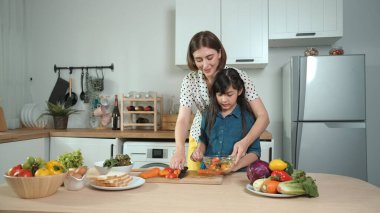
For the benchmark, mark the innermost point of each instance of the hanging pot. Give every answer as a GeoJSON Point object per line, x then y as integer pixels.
{"type": "Point", "coordinates": [59, 90]}
{"type": "Point", "coordinates": [71, 98]}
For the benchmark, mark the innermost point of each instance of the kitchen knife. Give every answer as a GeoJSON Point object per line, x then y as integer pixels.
{"type": "Point", "coordinates": [183, 173]}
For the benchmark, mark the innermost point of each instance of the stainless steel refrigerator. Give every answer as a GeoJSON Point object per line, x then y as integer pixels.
{"type": "Point", "coordinates": [324, 114]}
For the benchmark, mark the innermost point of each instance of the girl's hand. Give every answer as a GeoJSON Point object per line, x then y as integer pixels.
{"type": "Point", "coordinates": [197, 155]}
{"type": "Point", "coordinates": [178, 160]}
{"type": "Point", "coordinates": [240, 149]}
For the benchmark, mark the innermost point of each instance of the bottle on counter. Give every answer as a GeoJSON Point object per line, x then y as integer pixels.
{"type": "Point", "coordinates": [116, 115]}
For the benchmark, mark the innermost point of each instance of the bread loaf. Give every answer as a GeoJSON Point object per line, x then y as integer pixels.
{"type": "Point", "coordinates": [112, 180]}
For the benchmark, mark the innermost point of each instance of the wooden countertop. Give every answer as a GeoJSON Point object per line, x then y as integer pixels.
{"type": "Point", "coordinates": [337, 194]}
{"type": "Point", "coordinates": [25, 134]}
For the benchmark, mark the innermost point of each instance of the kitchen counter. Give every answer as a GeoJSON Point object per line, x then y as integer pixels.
{"type": "Point", "coordinates": [25, 134]}
{"type": "Point", "coordinates": [337, 194]}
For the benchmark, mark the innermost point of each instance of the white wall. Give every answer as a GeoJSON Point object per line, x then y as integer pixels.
{"type": "Point", "coordinates": [138, 37]}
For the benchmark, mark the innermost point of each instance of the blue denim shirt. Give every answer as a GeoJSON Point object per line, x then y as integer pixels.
{"type": "Point", "coordinates": [226, 132]}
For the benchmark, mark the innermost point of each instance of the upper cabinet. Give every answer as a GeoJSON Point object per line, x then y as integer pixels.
{"type": "Point", "coordinates": [305, 22]}
{"type": "Point", "coordinates": [242, 26]}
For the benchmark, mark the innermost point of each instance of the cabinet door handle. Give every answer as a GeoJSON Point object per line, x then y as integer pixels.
{"type": "Point", "coordinates": [305, 34]}
{"type": "Point", "coordinates": [245, 60]}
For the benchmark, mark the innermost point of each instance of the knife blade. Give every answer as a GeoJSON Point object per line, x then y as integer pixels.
{"type": "Point", "coordinates": [183, 173]}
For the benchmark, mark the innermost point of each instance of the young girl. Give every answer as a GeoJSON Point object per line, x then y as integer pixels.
{"type": "Point", "coordinates": [227, 121]}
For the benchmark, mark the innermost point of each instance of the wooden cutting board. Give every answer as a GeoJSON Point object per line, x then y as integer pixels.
{"type": "Point", "coordinates": [192, 177]}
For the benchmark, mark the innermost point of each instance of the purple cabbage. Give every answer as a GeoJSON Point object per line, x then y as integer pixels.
{"type": "Point", "coordinates": [257, 170]}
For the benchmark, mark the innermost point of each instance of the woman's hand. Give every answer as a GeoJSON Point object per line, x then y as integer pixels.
{"type": "Point", "coordinates": [178, 160]}
{"type": "Point", "coordinates": [240, 149]}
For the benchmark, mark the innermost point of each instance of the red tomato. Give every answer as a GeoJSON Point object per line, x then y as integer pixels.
{"type": "Point", "coordinates": [171, 176]}
{"type": "Point", "coordinates": [215, 161]}
{"type": "Point", "coordinates": [170, 170]}
{"type": "Point", "coordinates": [177, 172]}
{"type": "Point", "coordinates": [14, 169]}
{"type": "Point", "coordinates": [23, 173]}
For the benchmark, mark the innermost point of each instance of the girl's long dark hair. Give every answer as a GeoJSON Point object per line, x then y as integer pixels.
{"type": "Point", "coordinates": [223, 80]}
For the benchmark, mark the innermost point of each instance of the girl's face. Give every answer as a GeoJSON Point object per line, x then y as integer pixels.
{"type": "Point", "coordinates": [227, 101]}
{"type": "Point", "coordinates": [207, 60]}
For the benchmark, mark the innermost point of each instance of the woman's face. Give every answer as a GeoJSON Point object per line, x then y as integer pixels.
{"type": "Point", "coordinates": [207, 60]}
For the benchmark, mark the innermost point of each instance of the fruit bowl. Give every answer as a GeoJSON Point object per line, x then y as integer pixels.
{"type": "Point", "coordinates": [35, 187]}
{"type": "Point", "coordinates": [219, 163]}
{"type": "Point", "coordinates": [104, 170]}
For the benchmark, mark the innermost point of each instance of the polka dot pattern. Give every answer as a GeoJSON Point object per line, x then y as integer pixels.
{"type": "Point", "coordinates": [194, 91]}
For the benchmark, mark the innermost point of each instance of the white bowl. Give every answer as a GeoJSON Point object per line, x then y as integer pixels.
{"type": "Point", "coordinates": [104, 170]}
{"type": "Point", "coordinates": [73, 184]}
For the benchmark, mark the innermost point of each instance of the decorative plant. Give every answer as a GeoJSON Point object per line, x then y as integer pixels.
{"type": "Point", "coordinates": [59, 110]}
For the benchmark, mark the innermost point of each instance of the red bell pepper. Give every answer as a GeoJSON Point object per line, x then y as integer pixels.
{"type": "Point", "coordinates": [281, 176]}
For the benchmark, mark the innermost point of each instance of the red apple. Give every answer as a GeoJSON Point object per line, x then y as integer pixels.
{"type": "Point", "coordinates": [23, 173]}
{"type": "Point", "coordinates": [13, 170]}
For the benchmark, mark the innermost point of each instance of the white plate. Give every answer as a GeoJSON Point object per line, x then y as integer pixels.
{"type": "Point", "coordinates": [23, 114]}
{"type": "Point", "coordinates": [29, 115]}
{"type": "Point", "coordinates": [36, 113]}
{"type": "Point", "coordinates": [136, 182]}
{"type": "Point", "coordinates": [250, 188]}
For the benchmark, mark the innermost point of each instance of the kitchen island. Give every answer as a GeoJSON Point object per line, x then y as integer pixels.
{"type": "Point", "coordinates": [336, 194]}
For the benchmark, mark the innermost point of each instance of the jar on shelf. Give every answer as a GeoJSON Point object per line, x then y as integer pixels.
{"type": "Point", "coordinates": [311, 51]}
{"type": "Point", "coordinates": [336, 51]}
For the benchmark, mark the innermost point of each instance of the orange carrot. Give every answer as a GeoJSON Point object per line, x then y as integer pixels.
{"type": "Point", "coordinates": [270, 186]}
{"type": "Point", "coordinates": [153, 172]}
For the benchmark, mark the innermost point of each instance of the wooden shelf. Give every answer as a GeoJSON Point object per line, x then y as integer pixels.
{"type": "Point", "coordinates": [138, 112]}
{"type": "Point", "coordinates": [129, 118]}
{"type": "Point", "coordinates": [139, 124]}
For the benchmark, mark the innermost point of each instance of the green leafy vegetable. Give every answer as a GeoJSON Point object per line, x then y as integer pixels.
{"type": "Point", "coordinates": [301, 186]}
{"type": "Point", "coordinates": [297, 173]}
{"type": "Point", "coordinates": [71, 159]}
{"type": "Point", "coordinates": [119, 160]}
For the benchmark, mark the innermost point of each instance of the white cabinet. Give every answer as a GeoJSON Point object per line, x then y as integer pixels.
{"type": "Point", "coordinates": [242, 26]}
{"type": "Point", "coordinates": [192, 17]}
{"type": "Point", "coordinates": [244, 31]}
{"type": "Point", "coordinates": [93, 149]}
{"type": "Point", "coordinates": [13, 153]}
{"type": "Point", "coordinates": [305, 22]}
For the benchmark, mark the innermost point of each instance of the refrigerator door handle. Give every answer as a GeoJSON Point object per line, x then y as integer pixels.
{"type": "Point", "coordinates": [341, 125]}
{"type": "Point", "coordinates": [297, 144]}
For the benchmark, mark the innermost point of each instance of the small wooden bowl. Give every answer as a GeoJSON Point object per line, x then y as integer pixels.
{"type": "Point", "coordinates": [35, 187]}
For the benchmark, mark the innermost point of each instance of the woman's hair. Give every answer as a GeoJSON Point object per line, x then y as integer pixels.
{"type": "Point", "coordinates": [223, 80]}
{"type": "Point", "coordinates": [209, 40]}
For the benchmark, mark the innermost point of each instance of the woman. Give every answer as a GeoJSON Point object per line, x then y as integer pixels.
{"type": "Point", "coordinates": [205, 57]}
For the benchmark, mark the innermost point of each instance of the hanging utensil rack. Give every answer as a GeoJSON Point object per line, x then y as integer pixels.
{"type": "Point", "coordinates": [71, 69]}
